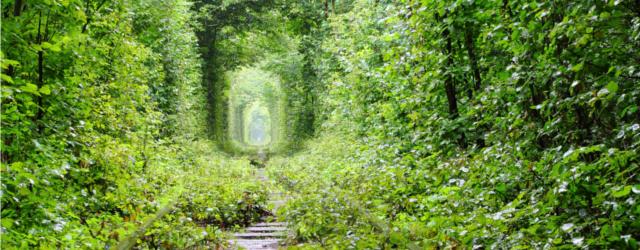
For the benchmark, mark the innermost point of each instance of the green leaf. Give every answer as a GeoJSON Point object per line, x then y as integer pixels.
{"type": "Point", "coordinates": [630, 110]}
{"type": "Point", "coordinates": [578, 67]}
{"type": "Point", "coordinates": [6, 78]}
{"type": "Point", "coordinates": [501, 188]}
{"type": "Point", "coordinates": [52, 47]}
{"type": "Point", "coordinates": [46, 90]}
{"type": "Point", "coordinates": [633, 243]}
{"type": "Point", "coordinates": [7, 62]}
{"type": "Point", "coordinates": [583, 40]}
{"type": "Point", "coordinates": [30, 88]}
{"type": "Point", "coordinates": [397, 238]}
{"type": "Point", "coordinates": [7, 223]}
{"type": "Point", "coordinates": [622, 192]}
{"type": "Point", "coordinates": [612, 87]}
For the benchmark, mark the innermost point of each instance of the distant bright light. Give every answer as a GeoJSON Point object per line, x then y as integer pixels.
{"type": "Point", "coordinates": [258, 126]}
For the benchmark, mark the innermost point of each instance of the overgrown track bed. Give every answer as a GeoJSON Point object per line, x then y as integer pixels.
{"type": "Point", "coordinates": [266, 234]}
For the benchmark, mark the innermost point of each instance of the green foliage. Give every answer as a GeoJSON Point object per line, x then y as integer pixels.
{"type": "Point", "coordinates": [256, 34]}
{"type": "Point", "coordinates": [482, 124]}
{"type": "Point", "coordinates": [440, 124]}
{"type": "Point", "coordinates": [101, 109]}
{"type": "Point", "coordinates": [225, 45]}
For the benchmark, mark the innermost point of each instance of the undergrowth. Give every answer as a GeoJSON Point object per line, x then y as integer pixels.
{"type": "Point", "coordinates": [357, 194]}
{"type": "Point", "coordinates": [207, 193]}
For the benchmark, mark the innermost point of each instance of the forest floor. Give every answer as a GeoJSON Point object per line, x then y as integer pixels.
{"type": "Point", "coordinates": [268, 233]}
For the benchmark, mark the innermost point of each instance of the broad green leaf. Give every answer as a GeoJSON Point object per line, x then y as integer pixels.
{"type": "Point", "coordinates": [583, 40]}
{"type": "Point", "coordinates": [622, 192]}
{"type": "Point", "coordinates": [7, 223]}
{"type": "Point", "coordinates": [46, 90]}
{"type": "Point", "coordinates": [30, 88]}
{"type": "Point", "coordinates": [612, 87]}
{"type": "Point", "coordinates": [7, 62]}
{"type": "Point", "coordinates": [6, 78]}
{"type": "Point", "coordinates": [577, 67]}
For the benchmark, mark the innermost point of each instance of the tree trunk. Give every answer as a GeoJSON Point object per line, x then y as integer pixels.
{"type": "Point", "coordinates": [449, 84]}
{"type": "Point", "coordinates": [40, 82]}
{"type": "Point", "coordinates": [17, 9]}
{"type": "Point", "coordinates": [326, 8]}
{"type": "Point", "coordinates": [40, 54]}
{"type": "Point", "coordinates": [468, 39]}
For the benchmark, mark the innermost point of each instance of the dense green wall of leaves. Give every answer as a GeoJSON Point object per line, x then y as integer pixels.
{"type": "Point", "coordinates": [482, 124]}
{"type": "Point", "coordinates": [103, 125]}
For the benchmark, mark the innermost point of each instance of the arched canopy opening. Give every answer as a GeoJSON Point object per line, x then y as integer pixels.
{"type": "Point", "coordinates": [256, 116]}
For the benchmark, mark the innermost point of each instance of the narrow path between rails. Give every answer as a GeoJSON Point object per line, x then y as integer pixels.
{"type": "Point", "coordinates": [268, 233]}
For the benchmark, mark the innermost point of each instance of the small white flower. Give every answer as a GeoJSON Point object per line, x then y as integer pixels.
{"type": "Point", "coordinates": [577, 241]}
{"type": "Point", "coordinates": [567, 227]}
{"type": "Point", "coordinates": [626, 237]}
{"type": "Point", "coordinates": [58, 227]}
{"type": "Point", "coordinates": [563, 187]}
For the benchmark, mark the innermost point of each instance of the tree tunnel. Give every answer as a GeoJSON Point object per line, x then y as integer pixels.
{"type": "Point", "coordinates": [260, 83]}
{"type": "Point", "coordinates": [255, 117]}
